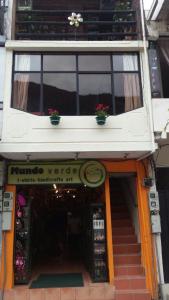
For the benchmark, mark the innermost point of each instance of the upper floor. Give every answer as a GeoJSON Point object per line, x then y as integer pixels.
{"type": "Point", "coordinates": [94, 20]}
{"type": "Point", "coordinates": [158, 30]}
{"type": "Point", "coordinates": [74, 82]}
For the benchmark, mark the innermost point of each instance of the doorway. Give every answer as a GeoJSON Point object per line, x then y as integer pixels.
{"type": "Point", "coordinates": [53, 231]}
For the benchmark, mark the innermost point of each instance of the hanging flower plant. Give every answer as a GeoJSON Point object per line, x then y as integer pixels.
{"type": "Point", "coordinates": [54, 116]}
{"type": "Point", "coordinates": [75, 19]}
{"type": "Point", "coordinates": [101, 113]}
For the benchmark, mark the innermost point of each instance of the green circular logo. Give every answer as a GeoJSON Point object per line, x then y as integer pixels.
{"type": "Point", "coordinates": [92, 173]}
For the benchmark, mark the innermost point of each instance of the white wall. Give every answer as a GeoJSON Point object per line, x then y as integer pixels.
{"type": "Point", "coordinates": [160, 114]}
{"type": "Point", "coordinates": [2, 72]}
{"type": "Point", "coordinates": [130, 192]}
{"type": "Point", "coordinates": [8, 19]}
{"type": "Point", "coordinates": [129, 132]}
{"type": "Point", "coordinates": [2, 75]}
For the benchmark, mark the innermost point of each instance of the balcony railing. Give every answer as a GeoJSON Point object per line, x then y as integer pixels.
{"type": "Point", "coordinates": [98, 24]}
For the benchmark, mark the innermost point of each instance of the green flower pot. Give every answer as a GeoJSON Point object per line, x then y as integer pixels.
{"type": "Point", "coordinates": [55, 120]}
{"type": "Point", "coordinates": [101, 120]}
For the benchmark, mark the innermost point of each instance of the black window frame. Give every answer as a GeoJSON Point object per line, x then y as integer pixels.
{"type": "Point", "coordinates": [77, 73]}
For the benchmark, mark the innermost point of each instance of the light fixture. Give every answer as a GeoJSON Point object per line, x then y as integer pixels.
{"type": "Point", "coordinates": [74, 196]}
{"type": "Point", "coordinates": [54, 185]}
{"type": "Point", "coordinates": [56, 191]}
{"type": "Point", "coordinates": [126, 155]}
{"type": "Point", "coordinates": [76, 155]}
{"type": "Point", "coordinates": [28, 158]}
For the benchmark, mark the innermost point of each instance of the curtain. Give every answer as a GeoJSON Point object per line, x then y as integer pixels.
{"type": "Point", "coordinates": [164, 46]}
{"type": "Point", "coordinates": [21, 82]}
{"type": "Point", "coordinates": [131, 83]}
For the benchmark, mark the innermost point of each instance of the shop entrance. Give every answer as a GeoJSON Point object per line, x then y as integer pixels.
{"type": "Point", "coordinates": [54, 232]}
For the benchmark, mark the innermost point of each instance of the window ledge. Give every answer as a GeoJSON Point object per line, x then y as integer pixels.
{"type": "Point", "coordinates": [75, 45]}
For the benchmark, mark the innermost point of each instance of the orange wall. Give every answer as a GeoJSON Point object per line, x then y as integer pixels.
{"type": "Point", "coordinates": [147, 248]}
{"type": "Point", "coordinates": [8, 280]}
{"type": "Point", "coordinates": [148, 258]}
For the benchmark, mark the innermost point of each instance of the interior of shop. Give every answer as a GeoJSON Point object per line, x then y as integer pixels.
{"type": "Point", "coordinates": [52, 231]}
{"type": "Point", "coordinates": [62, 229]}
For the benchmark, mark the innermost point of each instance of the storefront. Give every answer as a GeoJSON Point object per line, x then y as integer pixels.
{"type": "Point", "coordinates": [83, 188]}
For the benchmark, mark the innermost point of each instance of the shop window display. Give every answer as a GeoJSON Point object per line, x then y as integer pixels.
{"type": "Point", "coordinates": [22, 259]}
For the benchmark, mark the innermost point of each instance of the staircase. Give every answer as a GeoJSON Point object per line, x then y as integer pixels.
{"type": "Point", "coordinates": [130, 281]}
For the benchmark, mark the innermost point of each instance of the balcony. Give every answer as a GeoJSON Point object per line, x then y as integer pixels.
{"type": "Point", "coordinates": [102, 20]}
{"type": "Point", "coordinates": [2, 12]}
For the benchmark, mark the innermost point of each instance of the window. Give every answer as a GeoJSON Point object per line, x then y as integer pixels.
{"type": "Point", "coordinates": [75, 83]}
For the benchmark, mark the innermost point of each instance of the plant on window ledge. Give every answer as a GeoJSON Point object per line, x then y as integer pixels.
{"type": "Point", "coordinates": [101, 113]}
{"type": "Point", "coordinates": [54, 116]}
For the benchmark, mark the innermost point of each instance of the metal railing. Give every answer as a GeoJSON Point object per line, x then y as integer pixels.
{"type": "Point", "coordinates": [97, 25]}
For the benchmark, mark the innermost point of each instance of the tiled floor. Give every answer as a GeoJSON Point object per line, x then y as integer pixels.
{"type": "Point", "coordinates": [90, 291]}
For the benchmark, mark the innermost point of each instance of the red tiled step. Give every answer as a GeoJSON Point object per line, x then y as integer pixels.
{"type": "Point", "coordinates": [130, 283]}
{"type": "Point", "coordinates": [132, 295]}
{"type": "Point", "coordinates": [126, 248]}
{"type": "Point", "coordinates": [126, 239]}
{"type": "Point", "coordinates": [120, 215]}
{"type": "Point", "coordinates": [122, 270]}
{"type": "Point", "coordinates": [123, 230]}
{"type": "Point", "coordinates": [121, 223]}
{"type": "Point", "coordinates": [126, 259]}
{"type": "Point", "coordinates": [119, 208]}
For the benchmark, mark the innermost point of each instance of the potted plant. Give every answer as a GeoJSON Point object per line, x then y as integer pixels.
{"type": "Point", "coordinates": [101, 113]}
{"type": "Point", "coordinates": [54, 116]}
{"type": "Point", "coordinates": [24, 4]}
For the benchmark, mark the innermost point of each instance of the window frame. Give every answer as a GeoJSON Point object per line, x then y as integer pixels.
{"type": "Point", "coordinates": [77, 73]}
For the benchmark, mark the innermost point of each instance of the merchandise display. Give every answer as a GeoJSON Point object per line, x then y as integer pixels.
{"type": "Point", "coordinates": [96, 241]}
{"type": "Point", "coordinates": [22, 261]}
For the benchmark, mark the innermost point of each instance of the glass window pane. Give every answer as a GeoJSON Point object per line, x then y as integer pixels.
{"type": "Point", "coordinates": [127, 92]}
{"type": "Point", "coordinates": [125, 62]}
{"type": "Point", "coordinates": [59, 92]}
{"type": "Point", "coordinates": [94, 89]}
{"type": "Point", "coordinates": [27, 62]}
{"type": "Point", "coordinates": [59, 62]}
{"type": "Point", "coordinates": [26, 92]}
{"type": "Point", "coordinates": [94, 63]}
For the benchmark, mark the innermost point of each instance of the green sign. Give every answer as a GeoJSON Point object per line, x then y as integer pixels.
{"type": "Point", "coordinates": [44, 173]}
{"type": "Point", "coordinates": [90, 173]}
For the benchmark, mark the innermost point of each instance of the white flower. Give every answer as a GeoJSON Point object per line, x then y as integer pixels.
{"type": "Point", "coordinates": [75, 19]}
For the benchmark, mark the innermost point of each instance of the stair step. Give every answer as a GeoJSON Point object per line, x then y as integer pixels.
{"type": "Point", "coordinates": [125, 270]}
{"type": "Point", "coordinates": [124, 239]}
{"type": "Point", "coordinates": [120, 223]}
{"type": "Point", "coordinates": [132, 295]}
{"type": "Point", "coordinates": [126, 259]}
{"type": "Point", "coordinates": [123, 231]}
{"type": "Point", "coordinates": [126, 248]}
{"type": "Point", "coordinates": [119, 208]}
{"type": "Point", "coordinates": [120, 215]}
{"type": "Point", "coordinates": [130, 283]}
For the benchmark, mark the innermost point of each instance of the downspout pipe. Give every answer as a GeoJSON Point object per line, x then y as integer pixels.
{"type": "Point", "coordinates": [157, 237]}
{"type": "Point", "coordinates": [148, 101]}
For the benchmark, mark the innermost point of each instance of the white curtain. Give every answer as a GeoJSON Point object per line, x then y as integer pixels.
{"type": "Point", "coordinates": [131, 83]}
{"type": "Point", "coordinates": [21, 82]}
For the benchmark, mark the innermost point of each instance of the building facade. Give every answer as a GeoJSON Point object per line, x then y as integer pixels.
{"type": "Point", "coordinates": [77, 58]}
{"type": "Point", "coordinates": [157, 25]}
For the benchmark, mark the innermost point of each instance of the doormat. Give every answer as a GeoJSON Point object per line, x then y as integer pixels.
{"type": "Point", "coordinates": [57, 280]}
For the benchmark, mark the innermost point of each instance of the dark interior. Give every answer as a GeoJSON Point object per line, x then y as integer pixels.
{"type": "Point", "coordinates": [51, 231]}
